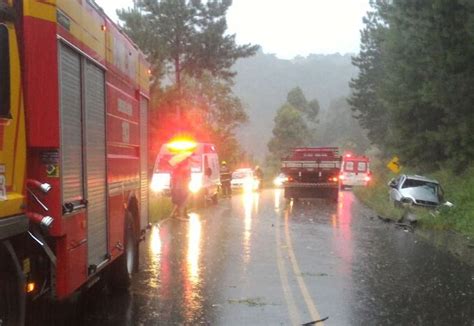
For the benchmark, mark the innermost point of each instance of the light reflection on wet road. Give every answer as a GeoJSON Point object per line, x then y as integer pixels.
{"type": "Point", "coordinates": [260, 260]}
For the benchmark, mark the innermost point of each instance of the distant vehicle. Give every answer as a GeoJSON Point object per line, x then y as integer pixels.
{"type": "Point", "coordinates": [205, 171]}
{"type": "Point", "coordinates": [244, 179]}
{"type": "Point", "coordinates": [280, 180]}
{"type": "Point", "coordinates": [312, 172]}
{"type": "Point", "coordinates": [415, 190]}
{"type": "Point", "coordinates": [355, 171]}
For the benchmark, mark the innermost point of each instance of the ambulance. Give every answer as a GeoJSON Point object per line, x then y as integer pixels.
{"type": "Point", "coordinates": [205, 172]}
{"type": "Point", "coordinates": [355, 171]}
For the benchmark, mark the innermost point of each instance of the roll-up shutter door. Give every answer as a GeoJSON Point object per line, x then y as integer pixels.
{"type": "Point", "coordinates": [95, 163]}
{"type": "Point", "coordinates": [144, 162]}
{"type": "Point", "coordinates": [71, 125]}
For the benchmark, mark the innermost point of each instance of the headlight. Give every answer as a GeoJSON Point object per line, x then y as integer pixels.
{"type": "Point", "coordinates": [160, 182]}
{"type": "Point", "coordinates": [196, 182]}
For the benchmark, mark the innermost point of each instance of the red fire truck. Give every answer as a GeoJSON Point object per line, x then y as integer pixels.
{"type": "Point", "coordinates": [312, 172]}
{"type": "Point", "coordinates": [73, 144]}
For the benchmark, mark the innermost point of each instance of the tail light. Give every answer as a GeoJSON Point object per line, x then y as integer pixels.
{"type": "Point", "coordinates": [160, 182]}
{"type": "Point", "coordinates": [195, 184]}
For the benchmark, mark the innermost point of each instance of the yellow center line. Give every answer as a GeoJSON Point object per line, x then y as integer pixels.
{"type": "Point", "coordinates": [297, 271]}
{"type": "Point", "coordinates": [290, 300]}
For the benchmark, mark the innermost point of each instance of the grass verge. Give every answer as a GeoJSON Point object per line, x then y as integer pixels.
{"type": "Point", "coordinates": [458, 189]}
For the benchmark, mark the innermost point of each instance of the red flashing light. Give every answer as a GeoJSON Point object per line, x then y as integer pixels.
{"type": "Point", "coordinates": [349, 155]}
{"type": "Point", "coordinates": [182, 145]}
{"type": "Point", "coordinates": [341, 177]}
{"type": "Point", "coordinates": [367, 178]}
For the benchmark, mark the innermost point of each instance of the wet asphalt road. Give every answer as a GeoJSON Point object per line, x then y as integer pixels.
{"type": "Point", "coordinates": [259, 260]}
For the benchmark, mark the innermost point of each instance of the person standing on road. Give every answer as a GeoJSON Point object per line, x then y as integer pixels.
{"type": "Point", "coordinates": [225, 180]}
{"type": "Point", "coordinates": [259, 174]}
{"type": "Point", "coordinates": [180, 178]}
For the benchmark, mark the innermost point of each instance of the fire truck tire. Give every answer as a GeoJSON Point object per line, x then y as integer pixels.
{"type": "Point", "coordinates": [11, 295]}
{"type": "Point", "coordinates": [122, 269]}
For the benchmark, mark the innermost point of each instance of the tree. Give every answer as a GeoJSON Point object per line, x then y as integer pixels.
{"type": "Point", "coordinates": [291, 125]}
{"type": "Point", "coordinates": [414, 90]}
{"type": "Point", "coordinates": [339, 128]}
{"type": "Point", "coordinates": [298, 100]}
{"type": "Point", "coordinates": [187, 40]}
{"type": "Point", "coordinates": [365, 100]}
{"type": "Point", "coordinates": [187, 35]}
{"type": "Point", "coordinates": [290, 131]}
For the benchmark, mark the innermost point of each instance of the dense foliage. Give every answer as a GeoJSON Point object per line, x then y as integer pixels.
{"type": "Point", "coordinates": [292, 126]}
{"type": "Point", "coordinates": [415, 89]}
{"type": "Point", "coordinates": [192, 58]}
{"type": "Point", "coordinates": [339, 128]}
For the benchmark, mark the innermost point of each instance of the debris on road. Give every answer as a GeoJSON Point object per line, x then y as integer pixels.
{"type": "Point", "coordinates": [315, 322]}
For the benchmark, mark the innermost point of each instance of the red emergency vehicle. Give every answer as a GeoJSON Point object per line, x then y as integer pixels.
{"type": "Point", "coordinates": [73, 143]}
{"type": "Point", "coordinates": [312, 172]}
{"type": "Point", "coordinates": [355, 171]}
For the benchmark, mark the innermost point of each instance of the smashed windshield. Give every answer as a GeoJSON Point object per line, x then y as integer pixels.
{"type": "Point", "coordinates": [413, 183]}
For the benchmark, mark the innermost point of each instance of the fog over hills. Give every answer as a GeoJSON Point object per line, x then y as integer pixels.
{"type": "Point", "coordinates": [263, 81]}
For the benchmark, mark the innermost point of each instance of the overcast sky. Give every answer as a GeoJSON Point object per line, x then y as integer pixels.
{"type": "Point", "coordinates": [289, 28]}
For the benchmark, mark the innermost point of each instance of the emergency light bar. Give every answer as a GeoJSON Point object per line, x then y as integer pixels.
{"type": "Point", "coordinates": [181, 146]}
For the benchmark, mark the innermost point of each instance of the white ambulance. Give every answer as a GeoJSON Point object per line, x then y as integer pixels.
{"type": "Point", "coordinates": [355, 171]}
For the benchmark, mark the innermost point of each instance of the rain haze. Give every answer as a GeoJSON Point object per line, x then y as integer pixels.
{"type": "Point", "coordinates": [289, 28]}
{"type": "Point", "coordinates": [236, 162]}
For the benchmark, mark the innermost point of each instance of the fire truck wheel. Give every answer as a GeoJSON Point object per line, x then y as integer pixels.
{"type": "Point", "coordinates": [10, 297]}
{"type": "Point", "coordinates": [121, 270]}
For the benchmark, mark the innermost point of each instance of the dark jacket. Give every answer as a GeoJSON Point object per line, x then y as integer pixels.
{"type": "Point", "coordinates": [225, 174]}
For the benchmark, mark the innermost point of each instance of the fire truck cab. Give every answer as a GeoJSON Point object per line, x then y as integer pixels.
{"type": "Point", "coordinates": [73, 152]}
{"type": "Point", "coordinates": [355, 171]}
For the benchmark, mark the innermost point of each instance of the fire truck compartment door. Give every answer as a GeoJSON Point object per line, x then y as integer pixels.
{"type": "Point", "coordinates": [143, 163]}
{"type": "Point", "coordinates": [71, 125]}
{"type": "Point", "coordinates": [83, 147]}
{"type": "Point", "coordinates": [95, 152]}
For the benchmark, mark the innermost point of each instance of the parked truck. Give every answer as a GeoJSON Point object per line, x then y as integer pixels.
{"type": "Point", "coordinates": [73, 144]}
{"type": "Point", "coordinates": [312, 172]}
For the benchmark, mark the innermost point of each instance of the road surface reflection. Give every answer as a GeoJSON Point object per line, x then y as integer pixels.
{"type": "Point", "coordinates": [250, 202]}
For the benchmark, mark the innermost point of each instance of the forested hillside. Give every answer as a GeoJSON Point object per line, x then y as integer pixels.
{"type": "Point", "coordinates": [263, 82]}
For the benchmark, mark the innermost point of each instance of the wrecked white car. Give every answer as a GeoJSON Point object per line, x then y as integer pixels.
{"type": "Point", "coordinates": [415, 190]}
